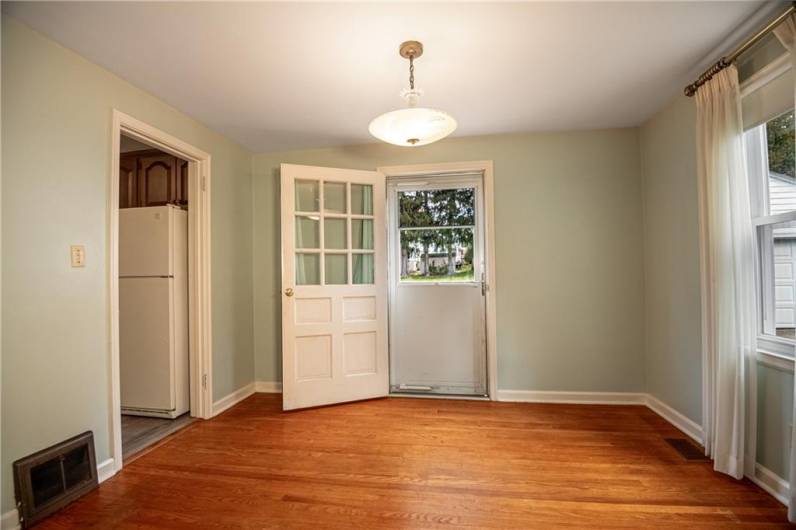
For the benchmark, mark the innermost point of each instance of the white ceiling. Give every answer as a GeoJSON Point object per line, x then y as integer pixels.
{"type": "Point", "coordinates": [276, 76]}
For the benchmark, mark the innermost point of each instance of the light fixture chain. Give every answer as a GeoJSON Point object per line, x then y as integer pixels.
{"type": "Point", "coordinates": [411, 72]}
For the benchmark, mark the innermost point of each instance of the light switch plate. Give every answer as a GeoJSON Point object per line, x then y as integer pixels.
{"type": "Point", "coordinates": [78, 253]}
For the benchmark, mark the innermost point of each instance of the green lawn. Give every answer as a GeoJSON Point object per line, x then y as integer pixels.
{"type": "Point", "coordinates": [465, 274]}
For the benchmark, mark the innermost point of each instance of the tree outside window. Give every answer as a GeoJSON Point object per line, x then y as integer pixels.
{"type": "Point", "coordinates": [436, 231]}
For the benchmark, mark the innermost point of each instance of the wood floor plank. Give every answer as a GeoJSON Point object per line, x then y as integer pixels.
{"type": "Point", "coordinates": [140, 432]}
{"type": "Point", "coordinates": [426, 464]}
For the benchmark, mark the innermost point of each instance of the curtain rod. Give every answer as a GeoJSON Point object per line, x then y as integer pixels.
{"type": "Point", "coordinates": [730, 58]}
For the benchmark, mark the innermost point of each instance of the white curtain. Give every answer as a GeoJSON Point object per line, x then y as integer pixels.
{"type": "Point", "coordinates": [727, 260]}
{"type": "Point", "coordinates": [786, 33]}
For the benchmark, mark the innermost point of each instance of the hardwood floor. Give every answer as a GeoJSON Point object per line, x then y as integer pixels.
{"type": "Point", "coordinates": [422, 463]}
{"type": "Point", "coordinates": [140, 432]}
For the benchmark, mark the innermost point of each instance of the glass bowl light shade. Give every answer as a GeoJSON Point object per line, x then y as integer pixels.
{"type": "Point", "coordinates": [413, 126]}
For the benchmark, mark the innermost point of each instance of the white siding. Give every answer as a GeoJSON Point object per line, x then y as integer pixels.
{"type": "Point", "coordinates": [782, 195]}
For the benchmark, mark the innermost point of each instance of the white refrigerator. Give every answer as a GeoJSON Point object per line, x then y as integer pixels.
{"type": "Point", "coordinates": [153, 311]}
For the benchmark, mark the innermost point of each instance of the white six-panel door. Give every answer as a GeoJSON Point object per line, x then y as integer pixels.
{"type": "Point", "coordinates": [334, 286]}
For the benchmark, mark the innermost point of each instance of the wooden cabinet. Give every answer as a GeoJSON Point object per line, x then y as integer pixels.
{"type": "Point", "coordinates": [182, 180]}
{"type": "Point", "coordinates": [152, 178]}
{"type": "Point", "coordinates": [128, 183]}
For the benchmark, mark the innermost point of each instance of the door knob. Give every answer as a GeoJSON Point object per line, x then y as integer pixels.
{"type": "Point", "coordinates": [289, 291]}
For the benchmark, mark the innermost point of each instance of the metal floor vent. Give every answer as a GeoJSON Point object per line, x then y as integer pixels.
{"type": "Point", "coordinates": [48, 480]}
{"type": "Point", "coordinates": [687, 449]}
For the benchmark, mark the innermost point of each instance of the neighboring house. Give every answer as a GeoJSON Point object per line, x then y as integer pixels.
{"type": "Point", "coordinates": [436, 258]}
{"type": "Point", "coordinates": [782, 198]}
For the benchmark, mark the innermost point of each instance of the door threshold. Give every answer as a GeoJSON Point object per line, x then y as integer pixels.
{"type": "Point", "coordinates": [467, 397]}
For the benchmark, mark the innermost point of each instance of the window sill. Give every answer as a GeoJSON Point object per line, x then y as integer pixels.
{"type": "Point", "coordinates": [776, 360]}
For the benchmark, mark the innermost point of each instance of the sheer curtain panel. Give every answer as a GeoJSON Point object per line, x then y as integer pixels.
{"type": "Point", "coordinates": [727, 263]}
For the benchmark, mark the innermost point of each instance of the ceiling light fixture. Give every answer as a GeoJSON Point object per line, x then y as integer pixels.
{"type": "Point", "coordinates": [412, 126]}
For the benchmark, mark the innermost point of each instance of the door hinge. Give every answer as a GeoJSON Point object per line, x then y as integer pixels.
{"type": "Point", "coordinates": [204, 183]}
{"type": "Point", "coordinates": [204, 381]}
{"type": "Point", "coordinates": [483, 284]}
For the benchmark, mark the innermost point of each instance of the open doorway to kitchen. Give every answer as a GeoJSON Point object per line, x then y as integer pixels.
{"type": "Point", "coordinates": [154, 364]}
{"type": "Point", "coordinates": [161, 378]}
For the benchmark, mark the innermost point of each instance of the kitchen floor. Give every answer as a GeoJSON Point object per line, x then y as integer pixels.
{"type": "Point", "coordinates": [139, 432]}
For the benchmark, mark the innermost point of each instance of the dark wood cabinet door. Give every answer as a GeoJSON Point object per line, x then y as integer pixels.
{"type": "Point", "coordinates": [182, 181]}
{"type": "Point", "coordinates": [128, 182]}
{"type": "Point", "coordinates": [157, 176]}
{"type": "Point", "coordinates": [152, 178]}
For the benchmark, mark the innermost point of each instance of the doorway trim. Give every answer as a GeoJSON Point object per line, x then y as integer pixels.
{"type": "Point", "coordinates": [485, 167]}
{"type": "Point", "coordinates": [199, 287]}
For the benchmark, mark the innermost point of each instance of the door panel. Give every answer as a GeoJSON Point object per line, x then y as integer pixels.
{"type": "Point", "coordinates": [128, 182]}
{"type": "Point", "coordinates": [145, 241]}
{"type": "Point", "coordinates": [157, 177]}
{"type": "Point", "coordinates": [146, 343]}
{"type": "Point", "coordinates": [334, 292]}
{"type": "Point", "coordinates": [182, 183]}
{"type": "Point", "coordinates": [438, 338]}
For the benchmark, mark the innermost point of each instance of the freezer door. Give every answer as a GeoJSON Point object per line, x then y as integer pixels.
{"type": "Point", "coordinates": [146, 343]}
{"type": "Point", "coordinates": [145, 241]}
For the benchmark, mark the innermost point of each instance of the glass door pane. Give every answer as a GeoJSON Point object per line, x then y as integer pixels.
{"type": "Point", "coordinates": [361, 199]}
{"type": "Point", "coordinates": [308, 233]}
{"type": "Point", "coordinates": [307, 196]}
{"type": "Point", "coordinates": [308, 270]}
{"type": "Point", "coordinates": [334, 199]}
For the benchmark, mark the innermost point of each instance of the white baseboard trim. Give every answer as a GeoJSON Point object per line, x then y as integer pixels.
{"type": "Point", "coordinates": [105, 470]}
{"type": "Point", "coordinates": [685, 424]}
{"type": "Point", "coordinates": [679, 420]}
{"type": "Point", "coordinates": [233, 399]}
{"type": "Point", "coordinates": [10, 519]}
{"type": "Point", "coordinates": [774, 485]}
{"type": "Point", "coordinates": [579, 398]}
{"type": "Point", "coordinates": [268, 387]}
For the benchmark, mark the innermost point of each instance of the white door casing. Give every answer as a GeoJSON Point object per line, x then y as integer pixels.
{"type": "Point", "coordinates": [334, 324]}
{"type": "Point", "coordinates": [199, 269]}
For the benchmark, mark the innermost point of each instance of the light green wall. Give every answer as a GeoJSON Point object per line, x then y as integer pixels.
{"type": "Point", "coordinates": [55, 161]}
{"type": "Point", "coordinates": [774, 417]}
{"type": "Point", "coordinates": [568, 243]}
{"type": "Point", "coordinates": [673, 344]}
{"type": "Point", "coordinates": [672, 360]}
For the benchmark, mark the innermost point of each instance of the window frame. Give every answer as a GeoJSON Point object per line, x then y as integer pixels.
{"type": "Point", "coordinates": [756, 149]}
{"type": "Point", "coordinates": [429, 183]}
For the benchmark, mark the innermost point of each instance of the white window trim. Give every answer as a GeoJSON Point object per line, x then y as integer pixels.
{"type": "Point", "coordinates": [768, 345]}
{"type": "Point", "coordinates": [772, 351]}
{"type": "Point", "coordinates": [766, 74]}
{"type": "Point", "coordinates": [438, 183]}
{"type": "Point", "coordinates": [784, 363]}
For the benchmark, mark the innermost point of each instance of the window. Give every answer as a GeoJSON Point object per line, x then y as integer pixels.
{"type": "Point", "coordinates": [334, 227]}
{"type": "Point", "coordinates": [772, 176]}
{"type": "Point", "coordinates": [437, 230]}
